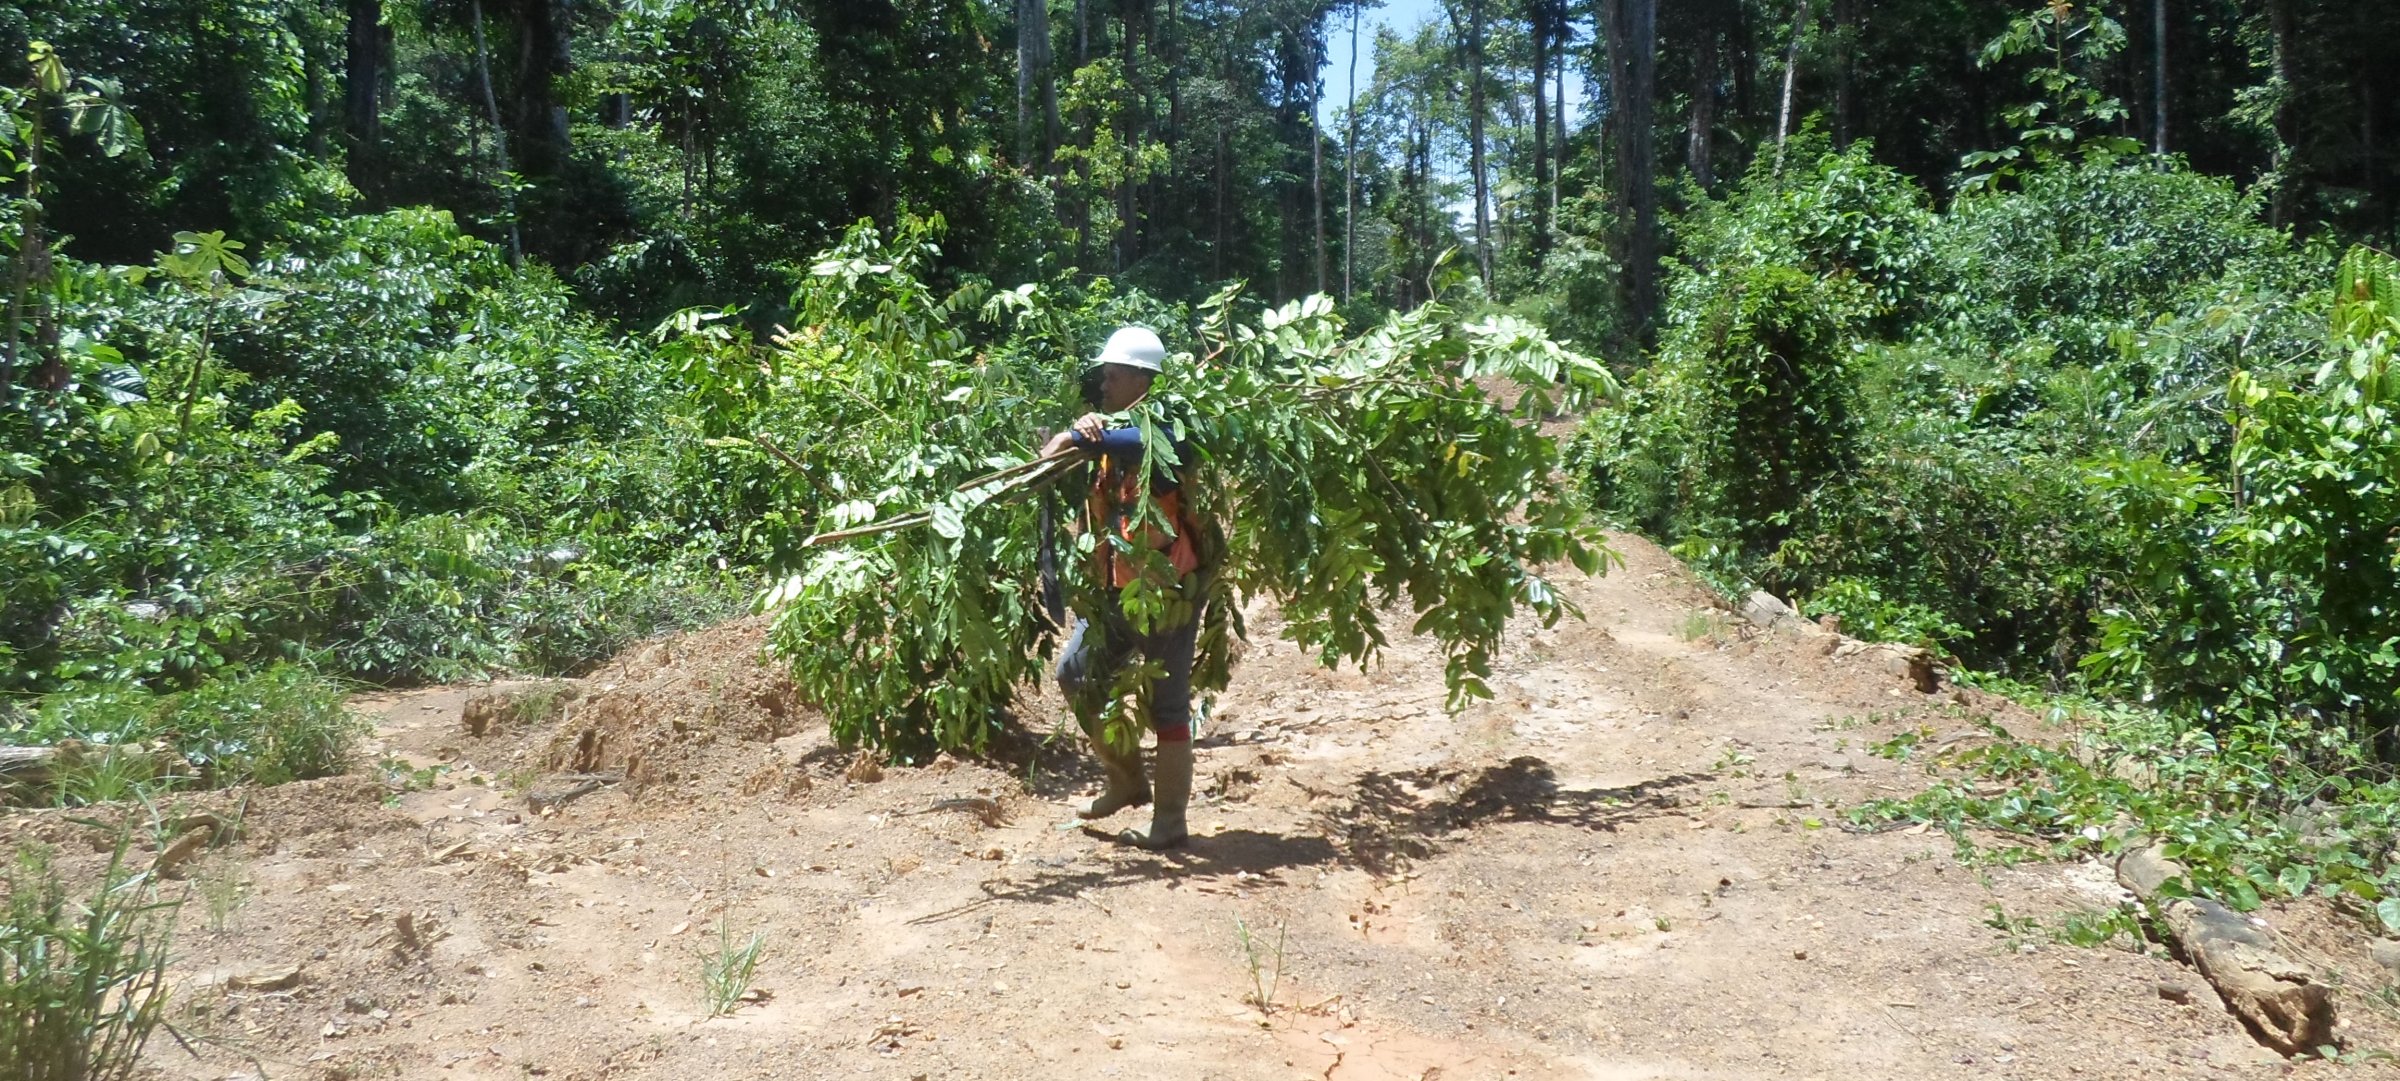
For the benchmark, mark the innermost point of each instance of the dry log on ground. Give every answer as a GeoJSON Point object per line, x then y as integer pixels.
{"type": "Point", "coordinates": [25, 764]}
{"type": "Point", "coordinates": [2280, 1000]}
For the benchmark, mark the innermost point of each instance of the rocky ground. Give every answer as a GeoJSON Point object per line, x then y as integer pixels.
{"type": "Point", "coordinates": [1633, 864]}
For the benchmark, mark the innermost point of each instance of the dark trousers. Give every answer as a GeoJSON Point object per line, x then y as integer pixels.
{"type": "Point", "coordinates": [1089, 668]}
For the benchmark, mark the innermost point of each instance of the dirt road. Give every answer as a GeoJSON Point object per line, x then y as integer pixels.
{"type": "Point", "coordinates": [1631, 865]}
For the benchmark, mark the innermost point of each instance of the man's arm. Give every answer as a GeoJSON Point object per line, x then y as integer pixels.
{"type": "Point", "coordinates": [1091, 432]}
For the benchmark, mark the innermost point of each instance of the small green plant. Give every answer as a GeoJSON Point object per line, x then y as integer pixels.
{"type": "Point", "coordinates": [1699, 623]}
{"type": "Point", "coordinates": [1734, 760]}
{"type": "Point", "coordinates": [727, 969]}
{"type": "Point", "coordinates": [2082, 928]}
{"type": "Point", "coordinates": [1266, 964]}
{"type": "Point", "coordinates": [1901, 747]}
{"type": "Point", "coordinates": [404, 778]}
{"type": "Point", "coordinates": [2017, 931]}
{"type": "Point", "coordinates": [2100, 927]}
{"type": "Point", "coordinates": [82, 978]}
{"type": "Point", "coordinates": [223, 883]}
{"type": "Point", "coordinates": [103, 774]}
{"type": "Point", "coordinates": [516, 782]}
{"type": "Point", "coordinates": [539, 705]}
{"type": "Point", "coordinates": [1663, 923]}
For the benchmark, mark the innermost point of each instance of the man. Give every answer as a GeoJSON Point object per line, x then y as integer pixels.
{"type": "Point", "coordinates": [1103, 642]}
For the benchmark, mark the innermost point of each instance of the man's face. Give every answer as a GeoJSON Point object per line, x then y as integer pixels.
{"type": "Point", "coordinates": [1121, 386]}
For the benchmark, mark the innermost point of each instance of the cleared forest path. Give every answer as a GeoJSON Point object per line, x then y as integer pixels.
{"type": "Point", "coordinates": [1629, 865]}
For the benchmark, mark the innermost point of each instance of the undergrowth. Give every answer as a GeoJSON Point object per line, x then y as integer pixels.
{"type": "Point", "coordinates": [276, 724]}
{"type": "Point", "coordinates": [2258, 812]}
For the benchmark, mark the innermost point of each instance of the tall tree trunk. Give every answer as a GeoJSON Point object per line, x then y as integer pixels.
{"type": "Point", "coordinates": [2158, 76]}
{"type": "Point", "coordinates": [1350, 168]}
{"type": "Point", "coordinates": [1845, 45]}
{"type": "Point", "coordinates": [313, 73]}
{"type": "Point", "coordinates": [1224, 179]}
{"type": "Point", "coordinates": [1538, 31]}
{"type": "Point", "coordinates": [1130, 136]}
{"type": "Point", "coordinates": [1316, 157]}
{"type": "Point", "coordinates": [1633, 66]}
{"type": "Point", "coordinates": [2279, 22]}
{"type": "Point", "coordinates": [1175, 57]}
{"type": "Point", "coordinates": [31, 250]}
{"type": "Point", "coordinates": [1612, 119]}
{"type": "Point", "coordinates": [491, 105]}
{"type": "Point", "coordinates": [1745, 66]}
{"type": "Point", "coordinates": [1475, 149]}
{"type": "Point", "coordinates": [1700, 135]}
{"type": "Point", "coordinates": [1558, 176]}
{"type": "Point", "coordinates": [362, 81]}
{"type": "Point", "coordinates": [1316, 142]}
{"type": "Point", "coordinates": [1422, 207]}
{"type": "Point", "coordinates": [1037, 85]}
{"type": "Point", "coordinates": [1083, 32]}
{"type": "Point", "coordinates": [1791, 71]}
{"type": "Point", "coordinates": [542, 56]}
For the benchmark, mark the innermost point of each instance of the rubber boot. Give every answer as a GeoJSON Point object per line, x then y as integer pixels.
{"type": "Point", "coordinates": [1174, 794]}
{"type": "Point", "coordinates": [1125, 788]}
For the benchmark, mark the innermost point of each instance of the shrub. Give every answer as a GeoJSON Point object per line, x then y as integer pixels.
{"type": "Point", "coordinates": [1886, 411]}
{"type": "Point", "coordinates": [2274, 590]}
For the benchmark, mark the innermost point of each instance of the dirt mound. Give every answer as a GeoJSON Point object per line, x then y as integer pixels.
{"type": "Point", "coordinates": [660, 710]}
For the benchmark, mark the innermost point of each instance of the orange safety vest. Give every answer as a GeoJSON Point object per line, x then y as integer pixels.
{"type": "Point", "coordinates": [1116, 486]}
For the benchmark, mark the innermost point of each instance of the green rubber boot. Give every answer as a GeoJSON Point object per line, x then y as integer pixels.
{"type": "Point", "coordinates": [1125, 788]}
{"type": "Point", "coordinates": [1167, 828]}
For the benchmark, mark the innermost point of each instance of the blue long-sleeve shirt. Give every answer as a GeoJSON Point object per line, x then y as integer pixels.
{"type": "Point", "coordinates": [1113, 440]}
{"type": "Point", "coordinates": [1125, 445]}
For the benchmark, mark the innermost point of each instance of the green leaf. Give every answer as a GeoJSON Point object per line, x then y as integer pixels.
{"type": "Point", "coordinates": [948, 521]}
{"type": "Point", "coordinates": [49, 72]}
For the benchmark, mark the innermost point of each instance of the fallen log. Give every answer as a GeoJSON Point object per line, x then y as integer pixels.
{"type": "Point", "coordinates": [22, 763]}
{"type": "Point", "coordinates": [2281, 1001]}
{"type": "Point", "coordinates": [35, 766]}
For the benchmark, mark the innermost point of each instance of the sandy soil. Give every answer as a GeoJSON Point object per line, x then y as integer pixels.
{"type": "Point", "coordinates": [1631, 865]}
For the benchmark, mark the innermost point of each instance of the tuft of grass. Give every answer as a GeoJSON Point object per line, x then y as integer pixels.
{"type": "Point", "coordinates": [539, 705]}
{"type": "Point", "coordinates": [223, 883]}
{"type": "Point", "coordinates": [1699, 623]}
{"type": "Point", "coordinates": [726, 971]}
{"type": "Point", "coordinates": [82, 977]}
{"type": "Point", "coordinates": [102, 774]}
{"type": "Point", "coordinates": [1265, 977]}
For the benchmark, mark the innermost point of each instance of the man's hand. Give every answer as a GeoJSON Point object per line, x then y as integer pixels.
{"type": "Point", "coordinates": [1090, 425]}
{"type": "Point", "coordinates": [1059, 444]}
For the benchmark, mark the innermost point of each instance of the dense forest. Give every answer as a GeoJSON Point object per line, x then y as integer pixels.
{"type": "Point", "coordinates": [407, 342]}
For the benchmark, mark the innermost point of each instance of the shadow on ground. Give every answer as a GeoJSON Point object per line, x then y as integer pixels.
{"type": "Point", "coordinates": [1390, 819]}
{"type": "Point", "coordinates": [1246, 856]}
{"type": "Point", "coordinates": [1385, 822]}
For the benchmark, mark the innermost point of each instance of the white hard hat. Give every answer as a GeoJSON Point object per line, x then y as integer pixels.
{"type": "Point", "coordinates": [1134, 347]}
